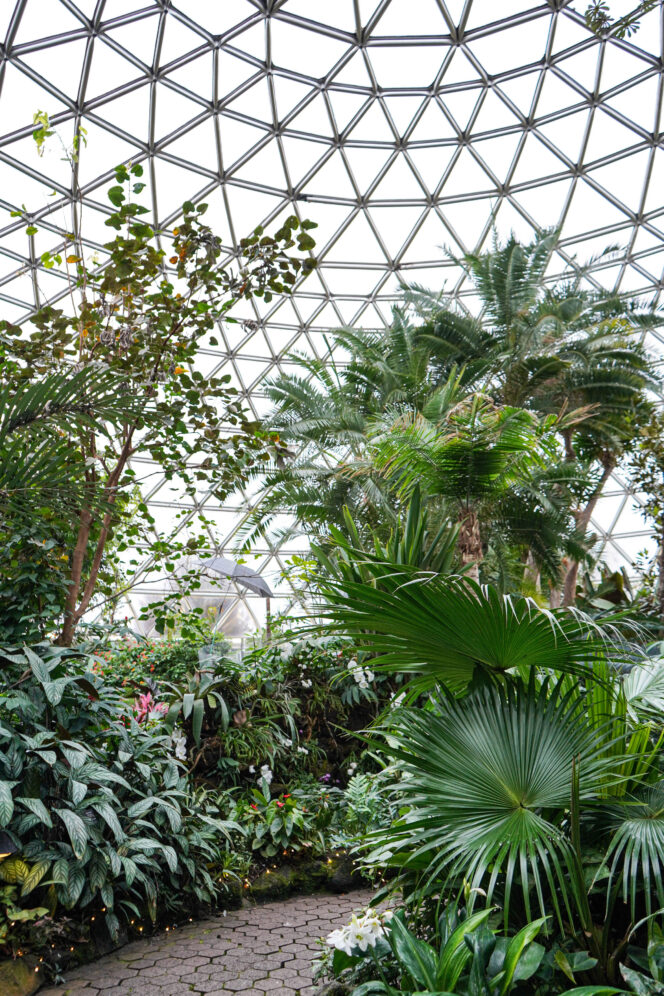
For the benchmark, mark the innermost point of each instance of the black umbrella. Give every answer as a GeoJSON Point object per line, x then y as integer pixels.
{"type": "Point", "coordinates": [240, 574]}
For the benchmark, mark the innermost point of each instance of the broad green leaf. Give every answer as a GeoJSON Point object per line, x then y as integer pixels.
{"type": "Point", "coordinates": [76, 829]}
{"type": "Point", "coordinates": [34, 876]}
{"type": "Point", "coordinates": [417, 957]}
{"type": "Point", "coordinates": [515, 950]}
{"type": "Point", "coordinates": [37, 807]}
{"type": "Point", "coordinates": [6, 803]}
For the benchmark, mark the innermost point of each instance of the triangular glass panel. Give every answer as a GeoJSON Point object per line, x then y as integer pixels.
{"type": "Point", "coordinates": [288, 94]}
{"type": "Point", "coordinates": [302, 156]}
{"type": "Point", "coordinates": [608, 136]}
{"type": "Point", "coordinates": [264, 167]}
{"type": "Point", "coordinates": [197, 145]}
{"type": "Point", "coordinates": [545, 204]}
{"type": "Point", "coordinates": [130, 112]}
{"type": "Point", "coordinates": [639, 103]}
{"type": "Point", "coordinates": [498, 153]}
{"type": "Point", "coordinates": [217, 18]}
{"type": "Point", "coordinates": [255, 102]}
{"type": "Point", "coordinates": [508, 219]}
{"type": "Point", "coordinates": [523, 43]}
{"type": "Point", "coordinates": [173, 187]}
{"type": "Point", "coordinates": [555, 95]}
{"type": "Point", "coordinates": [41, 18]}
{"type": "Point", "coordinates": [108, 72]}
{"type": "Point", "coordinates": [313, 119]}
{"type": "Point", "coordinates": [309, 52]}
{"type": "Point", "coordinates": [581, 68]}
{"type": "Point", "coordinates": [535, 162]}
{"type": "Point", "coordinates": [237, 138]}
{"type": "Point", "coordinates": [459, 69]}
{"type": "Point", "coordinates": [196, 75]}
{"type": "Point", "coordinates": [430, 241]}
{"type": "Point", "coordinates": [249, 208]}
{"type": "Point", "coordinates": [432, 162]}
{"type": "Point", "coordinates": [521, 90]}
{"type": "Point", "coordinates": [570, 33]}
{"type": "Point", "coordinates": [589, 210]}
{"type": "Point", "coordinates": [398, 20]}
{"type": "Point", "coordinates": [618, 67]}
{"type": "Point", "coordinates": [357, 244]}
{"type": "Point", "coordinates": [340, 14]}
{"type": "Point", "coordinates": [461, 105]}
{"type": "Point", "coordinates": [178, 39]}
{"type": "Point", "coordinates": [567, 133]}
{"type": "Point", "coordinates": [331, 180]}
{"type": "Point", "coordinates": [417, 65]}
{"type": "Point", "coordinates": [493, 114]}
{"type": "Point", "coordinates": [395, 224]}
{"type": "Point", "coordinates": [103, 147]}
{"type": "Point", "coordinates": [137, 37]}
{"type": "Point", "coordinates": [485, 12]}
{"type": "Point", "coordinates": [251, 40]}
{"type": "Point", "coordinates": [365, 165]}
{"type": "Point", "coordinates": [232, 72]}
{"type": "Point", "coordinates": [373, 126]}
{"type": "Point", "coordinates": [656, 185]}
{"type": "Point", "coordinates": [172, 111]}
{"type": "Point", "coordinates": [402, 110]}
{"type": "Point", "coordinates": [345, 107]}
{"type": "Point", "coordinates": [61, 66]}
{"type": "Point", "coordinates": [467, 177]}
{"type": "Point", "coordinates": [354, 72]}
{"type": "Point", "coordinates": [399, 183]}
{"type": "Point", "coordinates": [432, 125]}
{"type": "Point", "coordinates": [624, 178]}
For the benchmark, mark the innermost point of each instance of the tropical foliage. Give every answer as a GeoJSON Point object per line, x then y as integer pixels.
{"type": "Point", "coordinates": [509, 423]}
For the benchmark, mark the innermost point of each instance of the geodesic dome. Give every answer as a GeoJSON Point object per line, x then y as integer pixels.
{"type": "Point", "coordinates": [399, 126]}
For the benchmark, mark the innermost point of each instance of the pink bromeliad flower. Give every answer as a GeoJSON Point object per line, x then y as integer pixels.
{"type": "Point", "coordinates": [146, 708]}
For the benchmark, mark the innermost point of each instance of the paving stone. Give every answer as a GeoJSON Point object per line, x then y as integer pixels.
{"type": "Point", "coordinates": [262, 949]}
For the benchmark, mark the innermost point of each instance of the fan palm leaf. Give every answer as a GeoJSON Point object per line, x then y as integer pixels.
{"type": "Point", "coordinates": [486, 779]}
{"type": "Point", "coordinates": [442, 630]}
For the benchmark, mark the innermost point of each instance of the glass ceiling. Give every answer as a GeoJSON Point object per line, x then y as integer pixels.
{"type": "Point", "coordinates": [403, 127]}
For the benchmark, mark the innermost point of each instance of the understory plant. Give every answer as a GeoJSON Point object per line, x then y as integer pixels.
{"type": "Point", "coordinates": [101, 815]}
{"type": "Point", "coordinates": [526, 766]}
{"type": "Point", "coordinates": [466, 958]}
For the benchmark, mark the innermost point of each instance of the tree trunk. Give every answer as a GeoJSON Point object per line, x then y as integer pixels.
{"type": "Point", "coordinates": [74, 610]}
{"type": "Point", "coordinates": [469, 543]}
{"type": "Point", "coordinates": [582, 517]}
{"type": "Point", "coordinates": [660, 574]}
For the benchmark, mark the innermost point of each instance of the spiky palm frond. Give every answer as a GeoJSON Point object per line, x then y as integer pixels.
{"type": "Point", "coordinates": [39, 464]}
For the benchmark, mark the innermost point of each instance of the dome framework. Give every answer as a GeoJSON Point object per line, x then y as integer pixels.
{"type": "Point", "coordinates": [404, 128]}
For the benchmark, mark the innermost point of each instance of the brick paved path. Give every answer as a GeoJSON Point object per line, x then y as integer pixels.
{"type": "Point", "coordinates": [265, 949]}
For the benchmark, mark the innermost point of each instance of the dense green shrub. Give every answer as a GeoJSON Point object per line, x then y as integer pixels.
{"type": "Point", "coordinates": [154, 659]}
{"type": "Point", "coordinates": [100, 811]}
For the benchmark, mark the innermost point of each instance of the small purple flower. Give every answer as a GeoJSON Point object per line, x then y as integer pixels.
{"type": "Point", "coordinates": [325, 778]}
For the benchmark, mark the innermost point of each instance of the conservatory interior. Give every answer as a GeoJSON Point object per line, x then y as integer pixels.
{"type": "Point", "coordinates": [332, 497]}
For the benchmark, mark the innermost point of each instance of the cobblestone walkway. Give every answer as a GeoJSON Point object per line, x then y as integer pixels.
{"type": "Point", "coordinates": [265, 949]}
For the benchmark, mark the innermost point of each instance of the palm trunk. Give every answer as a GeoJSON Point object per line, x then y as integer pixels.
{"type": "Point", "coordinates": [582, 517]}
{"type": "Point", "coordinates": [469, 543]}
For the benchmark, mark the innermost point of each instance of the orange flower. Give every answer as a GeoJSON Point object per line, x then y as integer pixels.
{"type": "Point", "coordinates": [179, 370]}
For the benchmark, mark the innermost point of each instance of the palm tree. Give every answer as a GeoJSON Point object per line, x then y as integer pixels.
{"type": "Point", "coordinates": [322, 417]}
{"type": "Point", "coordinates": [493, 468]}
{"type": "Point", "coordinates": [551, 349]}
